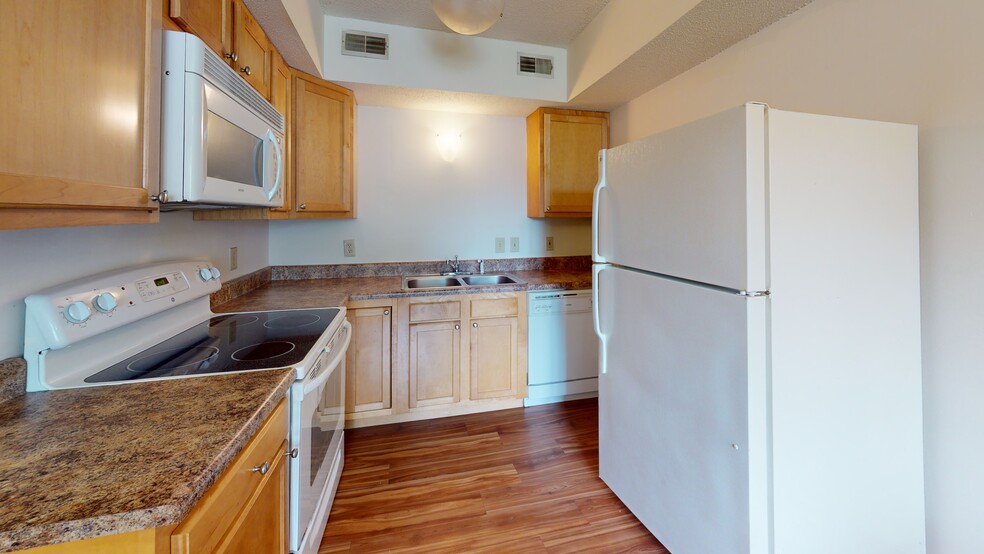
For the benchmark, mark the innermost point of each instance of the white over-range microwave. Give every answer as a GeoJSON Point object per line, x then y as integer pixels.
{"type": "Point", "coordinates": [222, 143]}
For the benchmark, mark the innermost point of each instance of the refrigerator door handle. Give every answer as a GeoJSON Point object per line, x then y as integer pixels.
{"type": "Point", "coordinates": [595, 204]}
{"type": "Point", "coordinates": [596, 270]}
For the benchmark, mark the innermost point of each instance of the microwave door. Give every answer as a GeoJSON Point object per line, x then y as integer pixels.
{"type": "Point", "coordinates": [273, 168]}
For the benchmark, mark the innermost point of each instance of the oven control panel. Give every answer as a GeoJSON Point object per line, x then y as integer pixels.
{"type": "Point", "coordinates": [66, 314]}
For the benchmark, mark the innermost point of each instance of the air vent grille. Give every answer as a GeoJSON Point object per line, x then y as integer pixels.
{"type": "Point", "coordinates": [366, 45]}
{"type": "Point", "coordinates": [220, 74]}
{"type": "Point", "coordinates": [540, 66]}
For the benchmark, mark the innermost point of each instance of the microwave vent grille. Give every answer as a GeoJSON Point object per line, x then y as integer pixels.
{"type": "Point", "coordinates": [224, 76]}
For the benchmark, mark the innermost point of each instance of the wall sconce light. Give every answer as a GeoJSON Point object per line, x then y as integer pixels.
{"type": "Point", "coordinates": [448, 144]}
{"type": "Point", "coordinates": [468, 17]}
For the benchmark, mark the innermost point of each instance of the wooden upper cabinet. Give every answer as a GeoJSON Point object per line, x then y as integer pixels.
{"type": "Point", "coordinates": [323, 149]}
{"type": "Point", "coordinates": [210, 20]}
{"type": "Point", "coordinates": [252, 49]}
{"type": "Point", "coordinates": [80, 115]}
{"type": "Point", "coordinates": [562, 161]}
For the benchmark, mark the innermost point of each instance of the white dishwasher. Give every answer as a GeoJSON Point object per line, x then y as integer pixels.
{"type": "Point", "coordinates": [563, 348]}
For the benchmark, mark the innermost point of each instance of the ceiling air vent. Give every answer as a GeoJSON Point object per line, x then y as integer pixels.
{"type": "Point", "coordinates": [367, 45]}
{"type": "Point", "coordinates": [538, 66]}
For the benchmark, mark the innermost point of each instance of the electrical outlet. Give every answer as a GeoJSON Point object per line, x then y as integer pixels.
{"type": "Point", "coordinates": [500, 245]}
{"type": "Point", "coordinates": [549, 244]}
{"type": "Point", "coordinates": [514, 244]}
{"type": "Point", "coordinates": [348, 247]}
{"type": "Point", "coordinates": [234, 258]}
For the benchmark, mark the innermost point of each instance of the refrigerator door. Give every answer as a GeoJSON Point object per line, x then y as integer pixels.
{"type": "Point", "coordinates": [689, 202]}
{"type": "Point", "coordinates": [684, 382]}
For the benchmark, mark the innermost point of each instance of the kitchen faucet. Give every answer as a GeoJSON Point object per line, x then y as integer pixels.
{"type": "Point", "coordinates": [453, 265]}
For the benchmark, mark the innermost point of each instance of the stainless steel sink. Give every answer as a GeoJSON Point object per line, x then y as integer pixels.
{"type": "Point", "coordinates": [417, 282]}
{"type": "Point", "coordinates": [483, 280]}
{"type": "Point", "coordinates": [431, 283]}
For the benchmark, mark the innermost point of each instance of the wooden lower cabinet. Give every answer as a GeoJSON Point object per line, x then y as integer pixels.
{"type": "Point", "coordinates": [435, 363]}
{"type": "Point", "coordinates": [369, 362]}
{"type": "Point", "coordinates": [451, 354]}
{"type": "Point", "coordinates": [494, 358]}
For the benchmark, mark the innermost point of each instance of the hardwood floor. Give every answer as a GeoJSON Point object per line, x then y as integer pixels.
{"type": "Point", "coordinates": [523, 480]}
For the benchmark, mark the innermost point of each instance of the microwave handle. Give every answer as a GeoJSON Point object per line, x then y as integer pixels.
{"type": "Point", "coordinates": [280, 165]}
{"type": "Point", "coordinates": [339, 356]}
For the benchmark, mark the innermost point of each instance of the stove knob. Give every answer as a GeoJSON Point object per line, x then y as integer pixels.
{"type": "Point", "coordinates": [205, 274]}
{"type": "Point", "coordinates": [77, 312]}
{"type": "Point", "coordinates": [215, 272]}
{"type": "Point", "coordinates": [105, 302]}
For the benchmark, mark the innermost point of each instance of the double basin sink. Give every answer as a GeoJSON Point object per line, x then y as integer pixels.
{"type": "Point", "coordinates": [417, 282]}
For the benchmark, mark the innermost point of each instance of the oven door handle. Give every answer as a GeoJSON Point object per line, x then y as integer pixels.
{"type": "Point", "coordinates": [339, 356]}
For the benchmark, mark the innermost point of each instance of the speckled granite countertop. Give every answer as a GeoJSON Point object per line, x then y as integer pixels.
{"type": "Point", "coordinates": [81, 463]}
{"type": "Point", "coordinates": [313, 293]}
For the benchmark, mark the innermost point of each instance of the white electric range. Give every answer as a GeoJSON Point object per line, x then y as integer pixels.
{"type": "Point", "coordinates": [153, 322]}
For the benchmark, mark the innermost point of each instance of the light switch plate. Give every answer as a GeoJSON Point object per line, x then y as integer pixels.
{"type": "Point", "coordinates": [514, 244]}
{"type": "Point", "coordinates": [348, 247]}
{"type": "Point", "coordinates": [549, 245]}
{"type": "Point", "coordinates": [500, 245]}
{"type": "Point", "coordinates": [234, 258]}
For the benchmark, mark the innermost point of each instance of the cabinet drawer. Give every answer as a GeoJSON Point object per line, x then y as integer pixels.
{"type": "Point", "coordinates": [435, 311]}
{"type": "Point", "coordinates": [211, 518]}
{"type": "Point", "coordinates": [495, 307]}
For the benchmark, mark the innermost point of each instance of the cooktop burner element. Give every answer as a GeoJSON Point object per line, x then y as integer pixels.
{"type": "Point", "coordinates": [263, 351]}
{"type": "Point", "coordinates": [227, 343]}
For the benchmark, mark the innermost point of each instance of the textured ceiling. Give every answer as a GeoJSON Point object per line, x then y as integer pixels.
{"type": "Point", "coordinates": [548, 22]}
{"type": "Point", "coordinates": [709, 28]}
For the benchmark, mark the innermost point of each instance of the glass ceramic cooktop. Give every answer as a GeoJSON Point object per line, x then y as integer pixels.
{"type": "Point", "coordinates": [231, 342]}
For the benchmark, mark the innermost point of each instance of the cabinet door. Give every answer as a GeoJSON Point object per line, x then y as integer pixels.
{"type": "Point", "coordinates": [494, 358]}
{"type": "Point", "coordinates": [562, 161]}
{"type": "Point", "coordinates": [252, 50]}
{"type": "Point", "coordinates": [323, 128]}
{"type": "Point", "coordinates": [435, 363]}
{"type": "Point", "coordinates": [80, 115]}
{"type": "Point", "coordinates": [210, 20]}
{"type": "Point", "coordinates": [262, 527]}
{"type": "Point", "coordinates": [369, 363]}
{"type": "Point", "coordinates": [570, 172]}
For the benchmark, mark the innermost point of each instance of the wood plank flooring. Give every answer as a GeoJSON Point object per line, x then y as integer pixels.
{"type": "Point", "coordinates": [523, 480]}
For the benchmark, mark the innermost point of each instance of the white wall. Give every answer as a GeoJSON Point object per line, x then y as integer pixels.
{"type": "Point", "coordinates": [413, 205]}
{"type": "Point", "coordinates": [37, 258]}
{"type": "Point", "coordinates": [901, 60]}
{"type": "Point", "coordinates": [426, 59]}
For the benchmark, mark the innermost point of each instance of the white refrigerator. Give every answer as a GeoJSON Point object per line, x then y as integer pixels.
{"type": "Point", "coordinates": [756, 286]}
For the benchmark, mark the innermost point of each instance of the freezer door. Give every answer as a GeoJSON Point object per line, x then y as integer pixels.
{"type": "Point", "coordinates": [689, 202]}
{"type": "Point", "coordinates": [685, 365]}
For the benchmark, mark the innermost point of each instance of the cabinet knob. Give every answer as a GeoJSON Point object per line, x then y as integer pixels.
{"type": "Point", "coordinates": [245, 70]}
{"type": "Point", "coordinates": [263, 469]}
{"type": "Point", "coordinates": [475, 325]}
{"type": "Point", "coordinates": [386, 312]}
{"type": "Point", "coordinates": [302, 206]}
{"type": "Point", "coordinates": [457, 327]}
{"type": "Point", "coordinates": [162, 197]}
{"type": "Point", "coordinates": [231, 56]}
{"type": "Point", "coordinates": [292, 453]}
{"type": "Point", "coordinates": [547, 209]}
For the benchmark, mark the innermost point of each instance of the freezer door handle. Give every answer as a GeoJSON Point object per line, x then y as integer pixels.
{"type": "Point", "coordinates": [596, 270]}
{"type": "Point", "coordinates": [595, 205]}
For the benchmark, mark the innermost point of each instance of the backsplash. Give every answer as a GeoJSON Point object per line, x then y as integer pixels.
{"type": "Point", "coordinates": [300, 272]}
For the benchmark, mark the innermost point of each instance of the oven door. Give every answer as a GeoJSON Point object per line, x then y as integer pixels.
{"type": "Point", "coordinates": [317, 421]}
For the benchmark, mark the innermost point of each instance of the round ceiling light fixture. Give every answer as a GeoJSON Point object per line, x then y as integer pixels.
{"type": "Point", "coordinates": [468, 17]}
